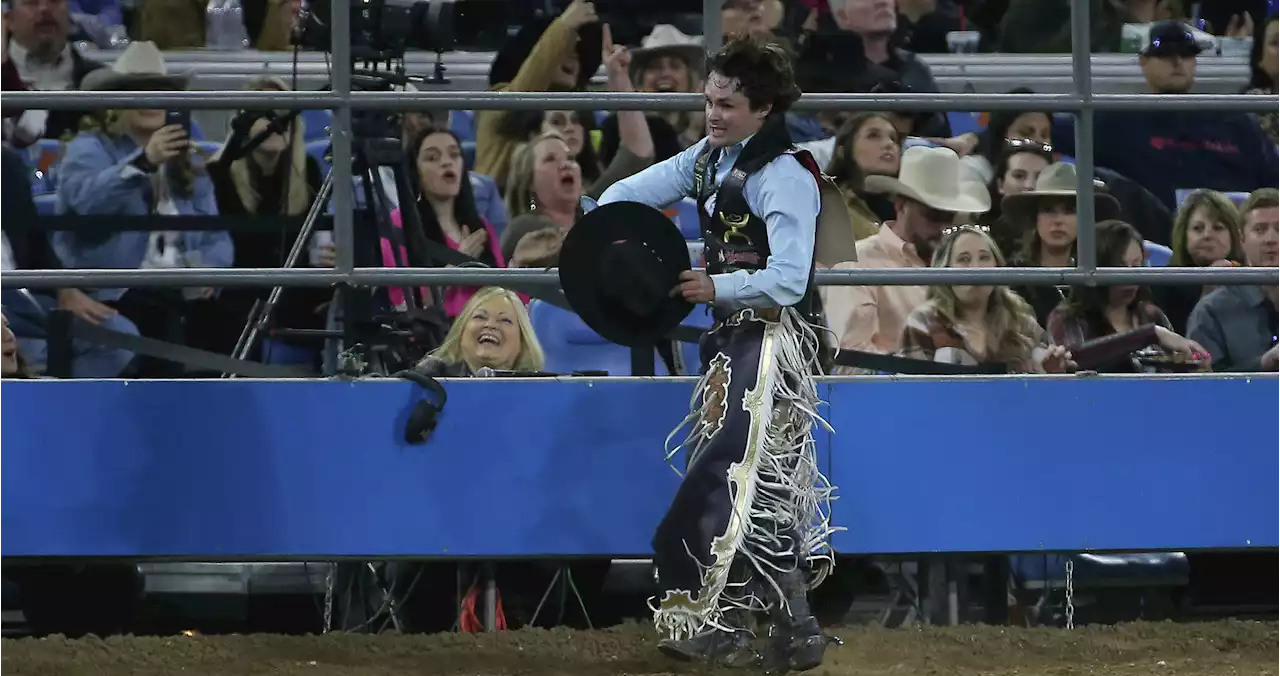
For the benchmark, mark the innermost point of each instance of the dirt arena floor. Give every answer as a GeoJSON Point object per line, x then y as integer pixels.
{"type": "Point", "coordinates": [1209, 649]}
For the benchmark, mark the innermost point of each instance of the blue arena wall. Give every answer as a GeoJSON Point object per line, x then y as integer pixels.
{"type": "Point", "coordinates": [279, 470]}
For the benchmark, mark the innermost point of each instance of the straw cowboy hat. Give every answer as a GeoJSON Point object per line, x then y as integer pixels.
{"type": "Point", "coordinates": [1057, 180]}
{"type": "Point", "coordinates": [618, 265]}
{"type": "Point", "coordinates": [932, 177]}
{"type": "Point", "coordinates": [664, 40]}
{"type": "Point", "coordinates": [141, 67]}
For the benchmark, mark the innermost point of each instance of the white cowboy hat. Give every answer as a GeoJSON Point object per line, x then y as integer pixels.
{"type": "Point", "coordinates": [932, 177]}
{"type": "Point", "coordinates": [667, 39]}
{"type": "Point", "coordinates": [140, 67]}
{"type": "Point", "coordinates": [1057, 180]}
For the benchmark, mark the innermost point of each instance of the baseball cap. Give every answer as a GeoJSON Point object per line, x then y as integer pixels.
{"type": "Point", "coordinates": [1171, 38]}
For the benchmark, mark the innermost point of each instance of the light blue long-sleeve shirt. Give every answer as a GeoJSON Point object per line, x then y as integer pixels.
{"type": "Point", "coordinates": [96, 178]}
{"type": "Point", "coordinates": [783, 193]}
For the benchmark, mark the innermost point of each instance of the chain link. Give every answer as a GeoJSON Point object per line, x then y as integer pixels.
{"type": "Point", "coordinates": [1071, 606]}
{"type": "Point", "coordinates": [328, 597]}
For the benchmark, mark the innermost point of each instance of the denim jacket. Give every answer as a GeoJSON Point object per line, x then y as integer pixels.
{"type": "Point", "coordinates": [96, 178]}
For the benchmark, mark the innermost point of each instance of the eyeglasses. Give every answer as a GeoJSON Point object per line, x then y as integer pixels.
{"type": "Point", "coordinates": [967, 227]}
{"type": "Point", "coordinates": [1028, 144]}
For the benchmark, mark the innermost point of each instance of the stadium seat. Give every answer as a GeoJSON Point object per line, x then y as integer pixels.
{"type": "Point", "coordinates": [316, 124]}
{"type": "Point", "coordinates": [964, 123]}
{"type": "Point", "coordinates": [1156, 255]}
{"type": "Point", "coordinates": [208, 148]}
{"type": "Point", "coordinates": [570, 345]}
{"type": "Point", "coordinates": [317, 150]}
{"type": "Point", "coordinates": [463, 124]}
{"type": "Point", "coordinates": [45, 204]}
{"type": "Point", "coordinates": [469, 153]}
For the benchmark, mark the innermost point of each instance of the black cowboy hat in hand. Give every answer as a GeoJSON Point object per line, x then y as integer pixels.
{"type": "Point", "coordinates": [618, 265]}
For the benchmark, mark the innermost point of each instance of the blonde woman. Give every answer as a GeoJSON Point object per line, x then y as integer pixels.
{"type": "Point", "coordinates": [134, 163]}
{"type": "Point", "coordinates": [277, 178]}
{"type": "Point", "coordinates": [546, 182]}
{"type": "Point", "coordinates": [492, 331]}
{"type": "Point", "coordinates": [978, 324]}
{"type": "Point", "coordinates": [1206, 233]}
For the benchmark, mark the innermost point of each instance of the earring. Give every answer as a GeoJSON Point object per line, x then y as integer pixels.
{"type": "Point", "coordinates": [533, 204]}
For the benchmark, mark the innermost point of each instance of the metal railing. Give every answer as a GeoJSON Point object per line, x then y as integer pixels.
{"type": "Point", "coordinates": [343, 101]}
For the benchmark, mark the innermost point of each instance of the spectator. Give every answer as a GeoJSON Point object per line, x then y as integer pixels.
{"type": "Point", "coordinates": [867, 145]}
{"type": "Point", "coordinates": [1046, 220]}
{"type": "Point", "coordinates": [544, 179]}
{"type": "Point", "coordinates": [575, 127]}
{"type": "Point", "coordinates": [37, 55]}
{"type": "Point", "coordinates": [1262, 74]}
{"type": "Point", "coordinates": [1123, 312]}
{"type": "Point", "coordinates": [26, 248]}
{"type": "Point", "coordinates": [873, 23]}
{"type": "Point", "coordinates": [492, 331]}
{"type": "Point", "coordinates": [269, 23]}
{"type": "Point", "coordinates": [981, 150]}
{"type": "Point", "coordinates": [667, 61]}
{"type": "Point", "coordinates": [927, 194]}
{"type": "Point", "coordinates": [752, 17]}
{"type": "Point", "coordinates": [10, 356]}
{"type": "Point", "coordinates": [1238, 324]}
{"type": "Point", "coordinates": [447, 211]}
{"type": "Point", "coordinates": [1170, 151]}
{"type": "Point", "coordinates": [1017, 168]}
{"type": "Point", "coordinates": [923, 25]}
{"type": "Point", "coordinates": [172, 24]}
{"type": "Point", "coordinates": [130, 163]}
{"type": "Point", "coordinates": [1044, 26]}
{"type": "Point", "coordinates": [562, 54]}
{"type": "Point", "coordinates": [277, 178]}
{"type": "Point", "coordinates": [968, 324]}
{"type": "Point", "coordinates": [1205, 233]}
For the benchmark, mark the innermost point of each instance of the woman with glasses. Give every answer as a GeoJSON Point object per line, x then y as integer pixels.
{"type": "Point", "coordinates": [978, 324]}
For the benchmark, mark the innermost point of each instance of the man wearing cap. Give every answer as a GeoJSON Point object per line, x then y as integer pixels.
{"type": "Point", "coordinates": [748, 529]}
{"type": "Point", "coordinates": [1171, 150]}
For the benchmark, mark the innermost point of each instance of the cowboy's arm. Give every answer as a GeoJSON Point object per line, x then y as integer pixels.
{"type": "Point", "coordinates": [786, 196]}
{"type": "Point", "coordinates": [660, 184]}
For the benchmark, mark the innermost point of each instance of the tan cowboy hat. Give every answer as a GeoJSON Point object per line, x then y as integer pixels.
{"type": "Point", "coordinates": [667, 39]}
{"type": "Point", "coordinates": [1057, 180]}
{"type": "Point", "coordinates": [141, 67]}
{"type": "Point", "coordinates": [932, 177]}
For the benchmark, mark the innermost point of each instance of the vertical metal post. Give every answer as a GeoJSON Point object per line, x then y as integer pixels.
{"type": "Point", "coordinates": [343, 230]}
{"type": "Point", "coordinates": [1082, 73]}
{"type": "Point", "coordinates": [712, 31]}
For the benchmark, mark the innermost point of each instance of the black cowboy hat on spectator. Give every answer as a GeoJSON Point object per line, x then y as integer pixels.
{"type": "Point", "coordinates": [516, 49]}
{"type": "Point", "coordinates": [1171, 38]}
{"type": "Point", "coordinates": [618, 265]}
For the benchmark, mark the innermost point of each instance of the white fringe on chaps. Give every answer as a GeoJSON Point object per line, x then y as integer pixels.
{"type": "Point", "coordinates": [778, 501]}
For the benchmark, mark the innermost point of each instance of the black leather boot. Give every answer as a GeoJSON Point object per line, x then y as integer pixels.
{"type": "Point", "coordinates": [713, 646]}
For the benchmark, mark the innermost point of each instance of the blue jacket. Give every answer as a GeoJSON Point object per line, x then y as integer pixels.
{"type": "Point", "coordinates": [95, 178]}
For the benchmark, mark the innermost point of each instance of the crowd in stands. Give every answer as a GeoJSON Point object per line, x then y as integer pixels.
{"type": "Point", "coordinates": [501, 189]}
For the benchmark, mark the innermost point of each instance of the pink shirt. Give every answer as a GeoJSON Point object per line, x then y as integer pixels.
{"type": "Point", "coordinates": [455, 297]}
{"type": "Point", "coordinates": [871, 318]}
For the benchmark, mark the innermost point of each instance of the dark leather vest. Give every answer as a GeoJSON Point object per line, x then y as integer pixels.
{"type": "Point", "coordinates": [733, 237]}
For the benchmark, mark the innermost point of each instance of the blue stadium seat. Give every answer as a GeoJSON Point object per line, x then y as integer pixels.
{"type": "Point", "coordinates": [686, 218]}
{"type": "Point", "coordinates": [964, 123]}
{"type": "Point", "coordinates": [469, 153]}
{"type": "Point", "coordinates": [196, 134]}
{"type": "Point", "coordinates": [463, 123]}
{"type": "Point", "coordinates": [570, 345]}
{"type": "Point", "coordinates": [1156, 255]}
{"type": "Point", "coordinates": [45, 204]}
{"type": "Point", "coordinates": [209, 148]}
{"type": "Point", "coordinates": [316, 124]}
{"type": "Point", "coordinates": [316, 149]}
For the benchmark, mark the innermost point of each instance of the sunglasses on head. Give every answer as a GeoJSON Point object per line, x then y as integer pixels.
{"type": "Point", "coordinates": [1028, 144]}
{"type": "Point", "coordinates": [966, 227]}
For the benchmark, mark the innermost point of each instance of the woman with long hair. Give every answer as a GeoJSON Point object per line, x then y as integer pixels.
{"type": "Point", "coordinates": [1017, 168]}
{"type": "Point", "coordinates": [545, 186]}
{"type": "Point", "coordinates": [868, 144]}
{"type": "Point", "coordinates": [1263, 68]}
{"type": "Point", "coordinates": [978, 324]}
{"type": "Point", "coordinates": [1123, 313]}
{"type": "Point", "coordinates": [1206, 233]}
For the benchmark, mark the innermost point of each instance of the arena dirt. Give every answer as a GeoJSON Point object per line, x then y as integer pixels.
{"type": "Point", "coordinates": [1211, 649]}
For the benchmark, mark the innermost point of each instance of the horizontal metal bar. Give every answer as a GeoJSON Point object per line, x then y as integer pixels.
{"type": "Point", "coordinates": [240, 277]}
{"type": "Point", "coordinates": [477, 100]}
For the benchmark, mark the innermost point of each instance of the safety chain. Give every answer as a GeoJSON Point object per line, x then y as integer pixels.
{"type": "Point", "coordinates": [1071, 608]}
{"type": "Point", "coordinates": [328, 597]}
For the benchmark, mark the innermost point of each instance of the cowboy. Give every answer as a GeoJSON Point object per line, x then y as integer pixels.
{"type": "Point", "coordinates": [748, 528]}
{"type": "Point", "coordinates": [927, 196]}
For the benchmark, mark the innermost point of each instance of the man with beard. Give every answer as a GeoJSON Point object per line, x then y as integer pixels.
{"type": "Point", "coordinates": [927, 195]}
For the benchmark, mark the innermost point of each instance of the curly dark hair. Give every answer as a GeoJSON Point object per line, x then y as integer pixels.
{"type": "Point", "coordinates": [763, 70]}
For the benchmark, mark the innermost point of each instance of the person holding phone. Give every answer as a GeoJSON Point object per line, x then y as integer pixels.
{"type": "Point", "coordinates": [135, 163]}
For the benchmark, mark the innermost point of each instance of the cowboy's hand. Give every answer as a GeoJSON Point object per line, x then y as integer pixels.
{"type": "Point", "coordinates": [166, 143]}
{"type": "Point", "coordinates": [695, 287]}
{"type": "Point", "coordinates": [617, 61]}
{"type": "Point", "coordinates": [84, 307]}
{"type": "Point", "coordinates": [579, 13]}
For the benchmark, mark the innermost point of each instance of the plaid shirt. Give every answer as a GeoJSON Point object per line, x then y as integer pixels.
{"type": "Point", "coordinates": [929, 336]}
